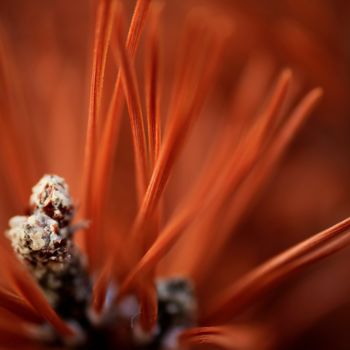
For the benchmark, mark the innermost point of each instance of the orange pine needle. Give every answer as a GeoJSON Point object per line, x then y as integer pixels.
{"type": "Point", "coordinates": [225, 337]}
{"type": "Point", "coordinates": [173, 230]}
{"type": "Point", "coordinates": [233, 212]}
{"type": "Point", "coordinates": [234, 171]}
{"type": "Point", "coordinates": [177, 133]}
{"type": "Point", "coordinates": [153, 93]}
{"type": "Point", "coordinates": [242, 293]}
{"type": "Point", "coordinates": [169, 235]}
{"type": "Point", "coordinates": [91, 133]}
{"type": "Point", "coordinates": [17, 306]}
{"type": "Point", "coordinates": [132, 97]}
{"type": "Point", "coordinates": [265, 166]}
{"type": "Point", "coordinates": [110, 130]}
{"type": "Point", "coordinates": [105, 35]}
{"type": "Point", "coordinates": [111, 127]}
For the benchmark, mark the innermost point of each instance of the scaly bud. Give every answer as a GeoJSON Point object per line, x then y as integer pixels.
{"type": "Point", "coordinates": [51, 196]}
{"type": "Point", "coordinates": [43, 241]}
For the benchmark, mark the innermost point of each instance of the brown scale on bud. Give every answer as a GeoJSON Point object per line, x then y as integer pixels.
{"type": "Point", "coordinates": [38, 240]}
{"type": "Point", "coordinates": [43, 241]}
{"type": "Point", "coordinates": [51, 196]}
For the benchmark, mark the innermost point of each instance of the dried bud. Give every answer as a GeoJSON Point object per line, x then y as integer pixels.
{"type": "Point", "coordinates": [30, 234]}
{"type": "Point", "coordinates": [51, 196]}
{"type": "Point", "coordinates": [44, 242]}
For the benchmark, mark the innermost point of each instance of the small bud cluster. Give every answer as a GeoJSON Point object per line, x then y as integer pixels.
{"type": "Point", "coordinates": [43, 241]}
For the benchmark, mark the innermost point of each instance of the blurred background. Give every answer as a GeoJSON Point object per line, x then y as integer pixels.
{"type": "Point", "coordinates": [47, 49]}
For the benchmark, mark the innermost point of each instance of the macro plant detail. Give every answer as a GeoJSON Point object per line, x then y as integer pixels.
{"type": "Point", "coordinates": [43, 241]}
{"type": "Point", "coordinates": [78, 273]}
